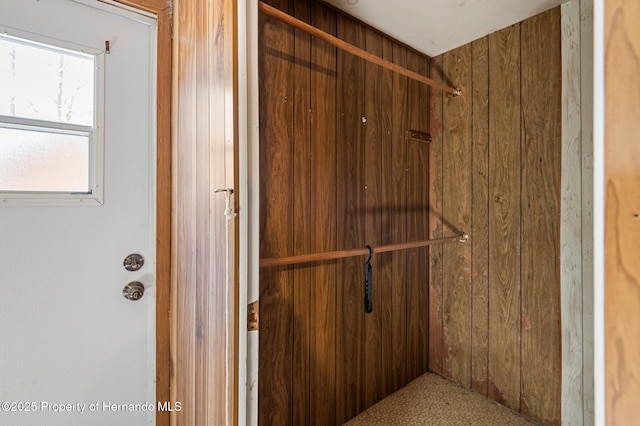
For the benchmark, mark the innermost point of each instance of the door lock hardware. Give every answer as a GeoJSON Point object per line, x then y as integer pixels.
{"type": "Point", "coordinates": [133, 291]}
{"type": "Point", "coordinates": [133, 262]}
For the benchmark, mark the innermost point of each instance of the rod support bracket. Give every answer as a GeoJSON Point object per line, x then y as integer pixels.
{"type": "Point", "coordinates": [457, 92]}
{"type": "Point", "coordinates": [464, 238]}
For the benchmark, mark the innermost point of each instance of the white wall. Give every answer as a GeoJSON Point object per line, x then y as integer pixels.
{"type": "Point", "coordinates": [249, 205]}
{"type": "Point", "coordinates": [598, 212]}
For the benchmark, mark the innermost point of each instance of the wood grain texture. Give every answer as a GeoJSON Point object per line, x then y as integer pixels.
{"type": "Point", "coordinates": [587, 149]}
{"type": "Point", "coordinates": [203, 250]}
{"type": "Point", "coordinates": [153, 6]}
{"type": "Point", "coordinates": [344, 254]}
{"type": "Point", "coordinates": [423, 253]}
{"type": "Point", "coordinates": [540, 162]}
{"type": "Point", "coordinates": [483, 301]}
{"type": "Point", "coordinates": [418, 163]}
{"type": "Point", "coordinates": [366, 55]}
{"type": "Point", "coordinates": [373, 130]}
{"type": "Point", "coordinates": [318, 362]}
{"type": "Point", "coordinates": [456, 213]}
{"type": "Point", "coordinates": [302, 229]}
{"type": "Point", "coordinates": [275, 385]}
{"type": "Point", "coordinates": [185, 236]}
{"type": "Point", "coordinates": [504, 217]}
{"type": "Point", "coordinates": [385, 311]}
{"type": "Point", "coordinates": [202, 207]}
{"type": "Point", "coordinates": [220, 136]}
{"type": "Point", "coordinates": [464, 319]}
{"type": "Point", "coordinates": [571, 272]}
{"type": "Point", "coordinates": [437, 130]}
{"type": "Point", "coordinates": [222, 386]}
{"type": "Point", "coordinates": [496, 172]}
{"type": "Point", "coordinates": [323, 220]}
{"type": "Point", "coordinates": [480, 217]}
{"type": "Point", "coordinates": [350, 227]}
{"type": "Point", "coordinates": [397, 224]}
{"type": "Point", "coordinates": [622, 211]}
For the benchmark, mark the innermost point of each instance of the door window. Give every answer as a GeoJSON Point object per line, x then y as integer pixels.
{"type": "Point", "coordinates": [50, 132]}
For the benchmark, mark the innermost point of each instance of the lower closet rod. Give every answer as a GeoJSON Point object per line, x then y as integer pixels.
{"type": "Point", "coordinates": [341, 254]}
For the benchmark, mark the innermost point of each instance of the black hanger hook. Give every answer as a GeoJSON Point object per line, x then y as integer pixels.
{"type": "Point", "coordinates": [368, 298]}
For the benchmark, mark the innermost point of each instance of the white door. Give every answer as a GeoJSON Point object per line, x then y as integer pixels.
{"type": "Point", "coordinates": [73, 350]}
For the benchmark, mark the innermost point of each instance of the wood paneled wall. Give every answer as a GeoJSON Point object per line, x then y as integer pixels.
{"type": "Point", "coordinates": [622, 212]}
{"type": "Point", "coordinates": [337, 172]}
{"type": "Point", "coordinates": [495, 303]}
{"type": "Point", "coordinates": [203, 289]}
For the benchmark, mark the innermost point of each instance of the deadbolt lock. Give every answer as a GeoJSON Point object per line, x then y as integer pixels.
{"type": "Point", "coordinates": [133, 291]}
{"type": "Point", "coordinates": [133, 262]}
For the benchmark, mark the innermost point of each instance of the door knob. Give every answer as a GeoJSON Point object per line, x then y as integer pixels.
{"type": "Point", "coordinates": [133, 291]}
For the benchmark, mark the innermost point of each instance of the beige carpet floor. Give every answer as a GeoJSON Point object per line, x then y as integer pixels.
{"type": "Point", "coordinates": [432, 400]}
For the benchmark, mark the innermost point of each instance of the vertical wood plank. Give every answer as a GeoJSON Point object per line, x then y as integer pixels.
{"type": "Point", "coordinates": [622, 208]}
{"type": "Point", "coordinates": [384, 260]}
{"type": "Point", "coordinates": [417, 224]}
{"type": "Point", "coordinates": [323, 216]}
{"type": "Point", "coordinates": [218, 151]}
{"type": "Point", "coordinates": [185, 233]}
{"type": "Point", "coordinates": [436, 99]}
{"type": "Point", "coordinates": [480, 218]}
{"type": "Point", "coordinates": [276, 178]}
{"type": "Point", "coordinates": [301, 217]}
{"type": "Point", "coordinates": [587, 148]}
{"type": "Point", "coordinates": [571, 276]}
{"type": "Point", "coordinates": [422, 116]}
{"type": "Point", "coordinates": [504, 217]}
{"type": "Point", "coordinates": [457, 217]}
{"type": "Point", "coordinates": [203, 245]}
{"type": "Point", "coordinates": [397, 223]}
{"type": "Point", "coordinates": [372, 200]}
{"type": "Point", "coordinates": [350, 226]}
{"type": "Point", "coordinates": [541, 149]}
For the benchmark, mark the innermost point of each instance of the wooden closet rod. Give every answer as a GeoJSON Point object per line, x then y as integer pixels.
{"type": "Point", "coordinates": [340, 44]}
{"type": "Point", "coordinates": [341, 254]}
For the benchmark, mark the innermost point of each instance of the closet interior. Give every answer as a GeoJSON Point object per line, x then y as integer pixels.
{"type": "Point", "coordinates": [462, 184]}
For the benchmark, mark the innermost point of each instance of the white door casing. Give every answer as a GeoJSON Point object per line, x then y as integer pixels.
{"type": "Point", "coordinates": [73, 350]}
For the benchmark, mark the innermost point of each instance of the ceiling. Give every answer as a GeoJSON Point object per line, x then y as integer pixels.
{"type": "Point", "coordinates": [437, 26]}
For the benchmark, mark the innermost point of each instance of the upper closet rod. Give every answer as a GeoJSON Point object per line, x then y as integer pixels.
{"type": "Point", "coordinates": [341, 254]}
{"type": "Point", "coordinates": [340, 44]}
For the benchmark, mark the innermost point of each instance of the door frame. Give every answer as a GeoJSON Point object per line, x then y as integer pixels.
{"type": "Point", "coordinates": [162, 10]}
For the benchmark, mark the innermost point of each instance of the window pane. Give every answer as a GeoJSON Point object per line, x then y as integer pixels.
{"type": "Point", "coordinates": [45, 82]}
{"type": "Point", "coordinates": [39, 161]}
